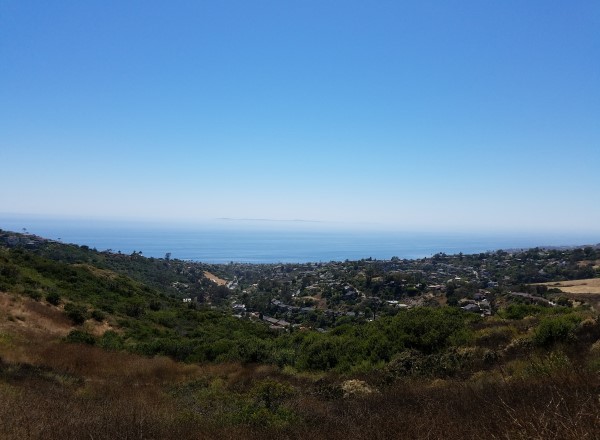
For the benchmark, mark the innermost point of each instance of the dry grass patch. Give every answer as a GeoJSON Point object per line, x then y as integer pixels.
{"type": "Point", "coordinates": [580, 291]}
{"type": "Point", "coordinates": [32, 314]}
{"type": "Point", "coordinates": [215, 279]}
{"type": "Point", "coordinates": [589, 286]}
{"type": "Point", "coordinates": [101, 273]}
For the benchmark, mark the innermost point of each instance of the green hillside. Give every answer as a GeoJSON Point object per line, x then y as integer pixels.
{"type": "Point", "coordinates": [100, 331]}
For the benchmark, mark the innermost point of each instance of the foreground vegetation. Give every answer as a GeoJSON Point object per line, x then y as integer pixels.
{"type": "Point", "coordinates": [100, 345]}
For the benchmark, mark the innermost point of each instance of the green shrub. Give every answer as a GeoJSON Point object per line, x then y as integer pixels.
{"type": "Point", "coordinates": [135, 309]}
{"type": "Point", "coordinates": [80, 337]}
{"type": "Point", "coordinates": [34, 294]}
{"type": "Point", "coordinates": [76, 313]}
{"type": "Point", "coordinates": [263, 405]}
{"type": "Point", "coordinates": [555, 329]}
{"type": "Point", "coordinates": [107, 307]}
{"type": "Point", "coordinates": [53, 298]}
{"type": "Point", "coordinates": [155, 305]}
{"type": "Point", "coordinates": [98, 315]}
{"type": "Point", "coordinates": [111, 340]}
{"type": "Point", "coordinates": [552, 363]}
{"type": "Point", "coordinates": [519, 311]}
{"type": "Point", "coordinates": [494, 337]}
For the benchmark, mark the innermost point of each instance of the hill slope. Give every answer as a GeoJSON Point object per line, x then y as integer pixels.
{"type": "Point", "coordinates": [91, 344]}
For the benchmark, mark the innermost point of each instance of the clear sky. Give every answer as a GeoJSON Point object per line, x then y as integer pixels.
{"type": "Point", "coordinates": [470, 114]}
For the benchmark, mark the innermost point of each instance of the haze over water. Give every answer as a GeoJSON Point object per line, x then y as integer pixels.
{"type": "Point", "coordinates": [273, 242]}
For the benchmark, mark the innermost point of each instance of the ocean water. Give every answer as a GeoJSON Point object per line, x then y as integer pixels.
{"type": "Point", "coordinates": [222, 243]}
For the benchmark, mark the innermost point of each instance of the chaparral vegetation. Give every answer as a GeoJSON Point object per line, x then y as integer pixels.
{"type": "Point", "coordinates": [104, 345]}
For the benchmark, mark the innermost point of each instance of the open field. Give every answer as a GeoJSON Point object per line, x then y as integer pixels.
{"type": "Point", "coordinates": [580, 291]}
{"type": "Point", "coordinates": [588, 286]}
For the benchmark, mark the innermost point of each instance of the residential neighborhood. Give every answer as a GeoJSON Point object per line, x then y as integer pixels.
{"type": "Point", "coordinates": [321, 295]}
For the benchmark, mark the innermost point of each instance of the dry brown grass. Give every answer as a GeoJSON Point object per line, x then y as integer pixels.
{"type": "Point", "coordinates": [545, 409]}
{"type": "Point", "coordinates": [595, 263]}
{"type": "Point", "coordinates": [588, 286]}
{"type": "Point", "coordinates": [534, 410]}
{"type": "Point", "coordinates": [18, 311]}
{"type": "Point", "coordinates": [101, 273]}
{"type": "Point", "coordinates": [215, 279]}
{"type": "Point", "coordinates": [39, 320]}
{"type": "Point", "coordinates": [37, 410]}
{"type": "Point", "coordinates": [74, 392]}
{"type": "Point", "coordinates": [580, 291]}
{"type": "Point", "coordinates": [52, 390]}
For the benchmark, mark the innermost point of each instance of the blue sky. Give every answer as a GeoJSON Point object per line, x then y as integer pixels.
{"type": "Point", "coordinates": [433, 115]}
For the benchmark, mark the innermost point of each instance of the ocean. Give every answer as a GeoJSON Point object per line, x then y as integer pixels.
{"type": "Point", "coordinates": [276, 243]}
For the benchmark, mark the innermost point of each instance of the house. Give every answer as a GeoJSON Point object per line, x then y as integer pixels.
{"type": "Point", "coordinates": [471, 308]}
{"type": "Point", "coordinates": [239, 308]}
{"type": "Point", "coordinates": [270, 320]}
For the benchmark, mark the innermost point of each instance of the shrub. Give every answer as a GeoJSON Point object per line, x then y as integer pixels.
{"type": "Point", "coordinates": [555, 329]}
{"type": "Point", "coordinates": [271, 394]}
{"type": "Point", "coordinates": [134, 309]}
{"type": "Point", "coordinates": [519, 311]}
{"type": "Point", "coordinates": [553, 363]}
{"type": "Point", "coordinates": [356, 388]}
{"type": "Point", "coordinates": [107, 307]}
{"type": "Point", "coordinates": [494, 336]}
{"type": "Point", "coordinates": [451, 362]}
{"type": "Point", "coordinates": [80, 337]}
{"type": "Point", "coordinates": [53, 298]}
{"type": "Point", "coordinates": [264, 405]}
{"type": "Point", "coordinates": [111, 340]}
{"type": "Point", "coordinates": [588, 331]}
{"type": "Point", "coordinates": [76, 313]}
{"type": "Point", "coordinates": [155, 305]}
{"type": "Point", "coordinates": [98, 315]}
{"type": "Point", "coordinates": [33, 294]}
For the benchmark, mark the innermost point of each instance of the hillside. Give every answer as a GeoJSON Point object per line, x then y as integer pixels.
{"type": "Point", "coordinates": [102, 345]}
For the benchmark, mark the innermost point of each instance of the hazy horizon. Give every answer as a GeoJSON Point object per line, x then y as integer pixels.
{"type": "Point", "coordinates": [434, 116]}
{"type": "Point", "coordinates": [28, 221]}
{"type": "Point", "coordinates": [263, 241]}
